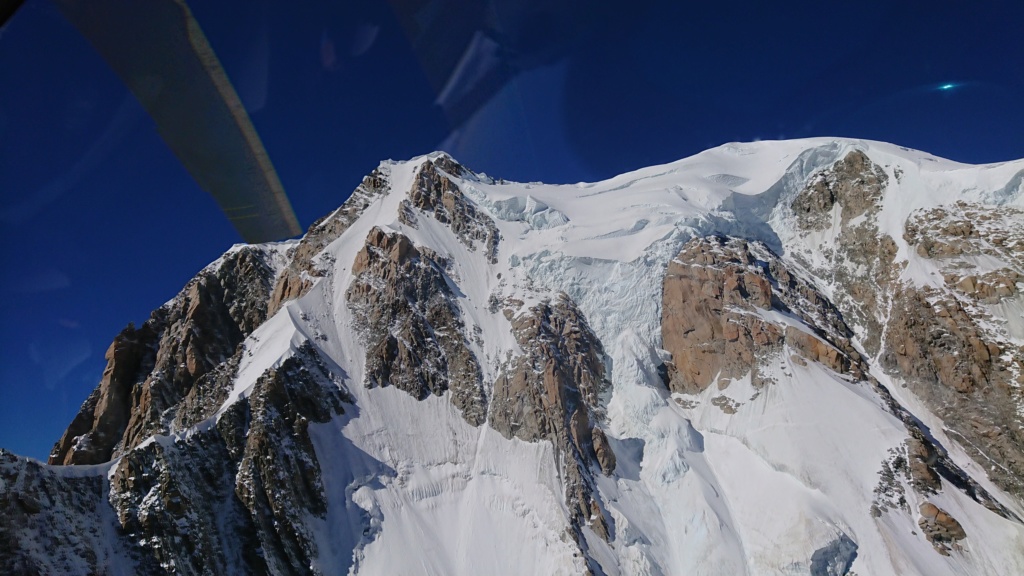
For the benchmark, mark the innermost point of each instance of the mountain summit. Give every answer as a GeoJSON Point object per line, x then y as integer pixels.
{"type": "Point", "coordinates": [798, 357]}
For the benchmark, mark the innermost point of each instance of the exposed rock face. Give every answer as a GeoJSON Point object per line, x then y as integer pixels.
{"type": "Point", "coordinates": [854, 184]}
{"type": "Point", "coordinates": [414, 334]}
{"type": "Point", "coordinates": [297, 278]}
{"type": "Point", "coordinates": [561, 372]}
{"type": "Point", "coordinates": [968, 229]}
{"type": "Point", "coordinates": [235, 497]}
{"type": "Point", "coordinates": [846, 198]}
{"type": "Point", "coordinates": [934, 339]}
{"type": "Point", "coordinates": [435, 193]}
{"type": "Point", "coordinates": [238, 494]}
{"type": "Point", "coordinates": [943, 342]}
{"type": "Point", "coordinates": [603, 451]}
{"type": "Point", "coordinates": [208, 393]}
{"type": "Point", "coordinates": [941, 529]}
{"type": "Point", "coordinates": [103, 417]}
{"type": "Point", "coordinates": [150, 370]}
{"type": "Point", "coordinates": [949, 345]}
{"type": "Point", "coordinates": [552, 393]}
{"type": "Point", "coordinates": [707, 338]}
{"type": "Point", "coordinates": [64, 515]}
{"type": "Point", "coordinates": [718, 294]}
{"type": "Point", "coordinates": [710, 321]}
{"type": "Point", "coordinates": [969, 380]}
{"type": "Point", "coordinates": [922, 458]}
{"type": "Point", "coordinates": [922, 466]}
{"type": "Point", "coordinates": [200, 436]}
{"type": "Point", "coordinates": [988, 288]}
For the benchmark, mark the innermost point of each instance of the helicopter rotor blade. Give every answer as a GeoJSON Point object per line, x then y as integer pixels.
{"type": "Point", "coordinates": [160, 52]}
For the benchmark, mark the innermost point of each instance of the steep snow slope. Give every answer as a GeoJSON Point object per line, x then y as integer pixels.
{"type": "Point", "coordinates": [752, 492]}
{"type": "Point", "coordinates": [777, 471]}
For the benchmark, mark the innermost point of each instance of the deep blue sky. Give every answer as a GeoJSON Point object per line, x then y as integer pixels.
{"type": "Point", "coordinates": [99, 224]}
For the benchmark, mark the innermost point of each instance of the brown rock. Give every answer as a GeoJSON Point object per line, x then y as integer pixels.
{"type": "Point", "coordinates": [814, 349]}
{"type": "Point", "coordinates": [563, 367]}
{"type": "Point", "coordinates": [605, 455]}
{"type": "Point", "coordinates": [711, 296]}
{"type": "Point", "coordinates": [948, 361]}
{"type": "Point", "coordinates": [100, 423]}
{"type": "Point", "coordinates": [150, 370]}
{"type": "Point", "coordinates": [941, 529]}
{"type": "Point", "coordinates": [295, 280]}
{"type": "Point", "coordinates": [413, 328]}
{"type": "Point", "coordinates": [854, 182]}
{"type": "Point", "coordinates": [436, 193]}
{"type": "Point", "coordinates": [921, 457]}
{"type": "Point", "coordinates": [967, 284]}
{"type": "Point", "coordinates": [863, 259]}
{"type": "Point", "coordinates": [551, 393]}
{"type": "Point", "coordinates": [725, 404]}
{"type": "Point", "coordinates": [929, 511]}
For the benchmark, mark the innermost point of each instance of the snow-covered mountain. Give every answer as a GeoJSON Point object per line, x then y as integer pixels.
{"type": "Point", "coordinates": [796, 357]}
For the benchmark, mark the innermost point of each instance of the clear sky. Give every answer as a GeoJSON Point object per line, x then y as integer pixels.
{"type": "Point", "coordinates": [99, 224]}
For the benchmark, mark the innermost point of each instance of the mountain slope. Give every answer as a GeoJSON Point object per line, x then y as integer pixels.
{"type": "Point", "coordinates": [798, 357]}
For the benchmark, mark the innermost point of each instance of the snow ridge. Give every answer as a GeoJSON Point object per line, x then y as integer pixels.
{"type": "Point", "coordinates": [809, 474]}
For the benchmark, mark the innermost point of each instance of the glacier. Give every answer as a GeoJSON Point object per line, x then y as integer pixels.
{"type": "Point", "coordinates": [782, 484]}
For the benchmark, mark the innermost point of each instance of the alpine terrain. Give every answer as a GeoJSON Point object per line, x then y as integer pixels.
{"type": "Point", "coordinates": [794, 357]}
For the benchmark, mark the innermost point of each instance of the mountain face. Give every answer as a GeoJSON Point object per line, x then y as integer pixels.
{"type": "Point", "coordinates": [801, 357]}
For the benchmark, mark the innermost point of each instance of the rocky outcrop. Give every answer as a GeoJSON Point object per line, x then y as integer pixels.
{"type": "Point", "coordinates": [922, 458]}
{"type": "Point", "coordinates": [102, 419]}
{"type": "Point", "coordinates": [236, 497]}
{"type": "Point", "coordinates": [945, 233]}
{"type": "Point", "coordinates": [603, 451]}
{"type": "Point", "coordinates": [949, 361]}
{"type": "Point", "coordinates": [552, 392]}
{"type": "Point", "coordinates": [64, 515]}
{"type": "Point", "coordinates": [711, 324]}
{"type": "Point", "coordinates": [414, 336]}
{"type": "Point", "coordinates": [707, 292]}
{"type": "Point", "coordinates": [846, 198]}
{"type": "Point", "coordinates": [177, 500]}
{"type": "Point", "coordinates": [815, 350]}
{"type": "Point", "coordinates": [719, 295]}
{"type": "Point", "coordinates": [924, 467]}
{"type": "Point", "coordinates": [562, 371]}
{"type": "Point", "coordinates": [208, 394]}
{"type": "Point", "coordinates": [988, 288]}
{"type": "Point", "coordinates": [150, 370]}
{"type": "Point", "coordinates": [941, 529]}
{"type": "Point", "coordinates": [854, 184]}
{"type": "Point", "coordinates": [411, 324]}
{"type": "Point", "coordinates": [947, 344]}
{"type": "Point", "coordinates": [941, 341]}
{"type": "Point", "coordinates": [934, 339]}
{"type": "Point", "coordinates": [278, 480]}
{"type": "Point", "coordinates": [297, 278]}
{"type": "Point", "coordinates": [434, 192]}
{"type": "Point", "coordinates": [889, 493]}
